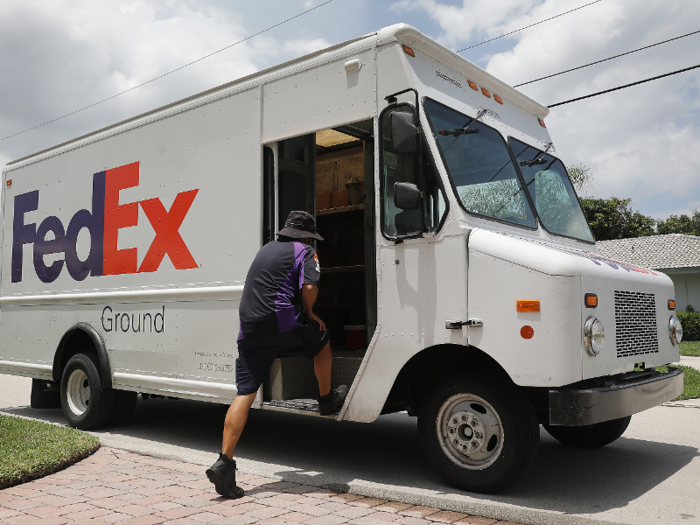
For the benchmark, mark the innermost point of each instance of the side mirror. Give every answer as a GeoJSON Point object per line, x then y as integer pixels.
{"type": "Point", "coordinates": [403, 132]}
{"type": "Point", "coordinates": [406, 196]}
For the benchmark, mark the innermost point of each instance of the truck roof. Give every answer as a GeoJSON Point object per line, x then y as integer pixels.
{"type": "Point", "coordinates": [403, 33]}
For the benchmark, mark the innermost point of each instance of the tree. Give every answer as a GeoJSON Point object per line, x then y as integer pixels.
{"type": "Point", "coordinates": [614, 219]}
{"type": "Point", "coordinates": [682, 224]}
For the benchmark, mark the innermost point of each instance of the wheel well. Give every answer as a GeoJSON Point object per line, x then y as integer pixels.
{"type": "Point", "coordinates": [81, 338]}
{"type": "Point", "coordinates": [427, 366]}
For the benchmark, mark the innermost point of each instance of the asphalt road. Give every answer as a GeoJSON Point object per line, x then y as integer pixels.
{"type": "Point", "coordinates": [649, 476]}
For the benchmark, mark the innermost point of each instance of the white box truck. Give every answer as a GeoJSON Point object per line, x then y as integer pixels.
{"type": "Point", "coordinates": [456, 251]}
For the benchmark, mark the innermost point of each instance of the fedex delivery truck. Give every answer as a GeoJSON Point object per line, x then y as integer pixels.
{"type": "Point", "coordinates": [460, 279]}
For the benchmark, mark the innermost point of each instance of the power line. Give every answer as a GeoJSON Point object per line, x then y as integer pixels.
{"type": "Point", "coordinates": [168, 73]}
{"type": "Point", "coordinates": [531, 25]}
{"type": "Point", "coordinates": [606, 59]}
{"type": "Point", "coordinates": [623, 87]}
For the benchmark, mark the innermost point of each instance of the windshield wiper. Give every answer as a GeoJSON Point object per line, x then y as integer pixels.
{"type": "Point", "coordinates": [539, 159]}
{"type": "Point", "coordinates": [465, 129]}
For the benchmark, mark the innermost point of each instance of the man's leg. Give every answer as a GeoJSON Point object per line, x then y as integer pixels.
{"type": "Point", "coordinates": [235, 421]}
{"type": "Point", "coordinates": [323, 366]}
{"type": "Point", "coordinates": [330, 400]}
{"type": "Point", "coordinates": [223, 472]}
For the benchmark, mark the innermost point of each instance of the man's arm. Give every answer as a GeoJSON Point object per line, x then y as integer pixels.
{"type": "Point", "coordinates": [309, 293]}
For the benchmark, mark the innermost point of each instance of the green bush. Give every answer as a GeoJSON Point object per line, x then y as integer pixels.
{"type": "Point", "coordinates": [691, 325]}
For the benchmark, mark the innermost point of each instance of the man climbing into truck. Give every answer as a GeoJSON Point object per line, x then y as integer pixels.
{"type": "Point", "coordinates": [271, 328]}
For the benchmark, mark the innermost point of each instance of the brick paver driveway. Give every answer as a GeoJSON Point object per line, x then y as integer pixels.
{"type": "Point", "coordinates": [114, 486]}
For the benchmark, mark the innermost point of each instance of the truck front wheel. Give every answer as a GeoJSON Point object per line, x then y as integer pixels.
{"type": "Point", "coordinates": [590, 436]}
{"type": "Point", "coordinates": [86, 404]}
{"type": "Point", "coordinates": [480, 434]}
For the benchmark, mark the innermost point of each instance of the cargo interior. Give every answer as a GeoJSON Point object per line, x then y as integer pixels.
{"type": "Point", "coordinates": [336, 168]}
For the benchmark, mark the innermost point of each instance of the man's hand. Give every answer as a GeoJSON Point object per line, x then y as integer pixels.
{"type": "Point", "coordinates": [316, 318]}
{"type": "Point", "coordinates": [309, 293]}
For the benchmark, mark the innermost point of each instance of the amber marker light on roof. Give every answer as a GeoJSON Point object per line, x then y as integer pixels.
{"type": "Point", "coordinates": [671, 304]}
{"type": "Point", "coordinates": [408, 50]}
{"type": "Point", "coordinates": [591, 300]}
{"type": "Point", "coordinates": [541, 122]}
{"type": "Point", "coordinates": [527, 306]}
{"type": "Point", "coordinates": [486, 92]}
{"type": "Point", "coordinates": [473, 85]}
{"type": "Point", "coordinates": [497, 98]}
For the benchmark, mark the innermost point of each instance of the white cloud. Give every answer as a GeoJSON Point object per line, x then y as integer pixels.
{"type": "Point", "coordinates": [67, 54]}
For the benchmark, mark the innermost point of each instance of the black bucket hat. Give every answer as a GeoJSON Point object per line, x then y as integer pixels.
{"type": "Point", "coordinates": [300, 225]}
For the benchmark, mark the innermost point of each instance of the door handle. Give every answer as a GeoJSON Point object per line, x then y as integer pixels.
{"type": "Point", "coordinates": [457, 325]}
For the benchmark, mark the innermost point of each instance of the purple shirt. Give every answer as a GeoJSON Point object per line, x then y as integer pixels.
{"type": "Point", "coordinates": [273, 287]}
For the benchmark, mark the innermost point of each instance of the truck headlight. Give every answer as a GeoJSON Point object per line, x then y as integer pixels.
{"type": "Point", "coordinates": [675, 330]}
{"type": "Point", "coordinates": [593, 336]}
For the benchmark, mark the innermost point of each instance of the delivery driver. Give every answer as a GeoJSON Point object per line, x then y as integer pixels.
{"type": "Point", "coordinates": [282, 271]}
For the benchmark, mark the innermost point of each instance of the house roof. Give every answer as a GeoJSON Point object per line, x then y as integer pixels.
{"type": "Point", "coordinates": [657, 252]}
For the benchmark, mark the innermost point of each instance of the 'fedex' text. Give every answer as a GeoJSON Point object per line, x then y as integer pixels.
{"type": "Point", "coordinates": [103, 222]}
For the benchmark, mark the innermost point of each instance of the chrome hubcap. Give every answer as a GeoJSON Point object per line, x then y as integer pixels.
{"type": "Point", "coordinates": [470, 431]}
{"type": "Point", "coordinates": [78, 392]}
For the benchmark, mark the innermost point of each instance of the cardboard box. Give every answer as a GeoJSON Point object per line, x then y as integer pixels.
{"type": "Point", "coordinates": [323, 200]}
{"type": "Point", "coordinates": [339, 199]}
{"type": "Point", "coordinates": [356, 191]}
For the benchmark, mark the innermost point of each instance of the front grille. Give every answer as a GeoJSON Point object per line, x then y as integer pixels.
{"type": "Point", "coordinates": [635, 323]}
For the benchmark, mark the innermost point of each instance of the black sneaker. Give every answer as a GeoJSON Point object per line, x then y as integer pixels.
{"type": "Point", "coordinates": [223, 475]}
{"type": "Point", "coordinates": [331, 403]}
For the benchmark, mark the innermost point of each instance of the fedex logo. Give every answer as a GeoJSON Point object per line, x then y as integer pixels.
{"type": "Point", "coordinates": [103, 222]}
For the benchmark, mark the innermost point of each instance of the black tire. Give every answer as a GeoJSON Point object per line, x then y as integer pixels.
{"type": "Point", "coordinates": [590, 436]}
{"type": "Point", "coordinates": [86, 403]}
{"type": "Point", "coordinates": [481, 412]}
{"type": "Point", "coordinates": [124, 406]}
{"type": "Point", "coordinates": [42, 398]}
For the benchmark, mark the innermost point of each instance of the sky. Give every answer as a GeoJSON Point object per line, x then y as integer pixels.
{"type": "Point", "coordinates": [59, 56]}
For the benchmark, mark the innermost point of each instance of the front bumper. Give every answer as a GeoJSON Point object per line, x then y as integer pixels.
{"type": "Point", "coordinates": [613, 397]}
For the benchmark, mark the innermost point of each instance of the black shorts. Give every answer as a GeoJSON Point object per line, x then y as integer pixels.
{"type": "Point", "coordinates": [256, 355]}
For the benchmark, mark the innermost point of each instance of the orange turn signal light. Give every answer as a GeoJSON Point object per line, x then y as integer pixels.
{"type": "Point", "coordinates": [591, 300]}
{"type": "Point", "coordinates": [408, 50]}
{"type": "Point", "coordinates": [541, 122]}
{"type": "Point", "coordinates": [498, 99]}
{"type": "Point", "coordinates": [473, 85]}
{"type": "Point", "coordinates": [486, 92]}
{"type": "Point", "coordinates": [527, 306]}
{"type": "Point", "coordinates": [671, 304]}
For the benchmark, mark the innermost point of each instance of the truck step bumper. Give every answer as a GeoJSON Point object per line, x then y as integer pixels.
{"type": "Point", "coordinates": [616, 397]}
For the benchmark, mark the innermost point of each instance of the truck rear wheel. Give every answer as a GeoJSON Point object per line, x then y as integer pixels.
{"type": "Point", "coordinates": [478, 433]}
{"type": "Point", "coordinates": [590, 436]}
{"type": "Point", "coordinates": [86, 404]}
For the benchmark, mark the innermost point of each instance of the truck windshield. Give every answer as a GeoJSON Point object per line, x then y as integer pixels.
{"type": "Point", "coordinates": [551, 192]}
{"type": "Point", "coordinates": [480, 166]}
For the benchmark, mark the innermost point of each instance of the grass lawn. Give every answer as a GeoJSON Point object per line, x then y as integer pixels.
{"type": "Point", "coordinates": [32, 449]}
{"type": "Point", "coordinates": [691, 348]}
{"type": "Point", "coordinates": [691, 382]}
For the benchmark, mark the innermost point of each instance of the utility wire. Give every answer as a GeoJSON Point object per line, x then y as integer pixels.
{"type": "Point", "coordinates": [606, 59]}
{"type": "Point", "coordinates": [623, 87]}
{"type": "Point", "coordinates": [531, 25]}
{"type": "Point", "coordinates": [168, 73]}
